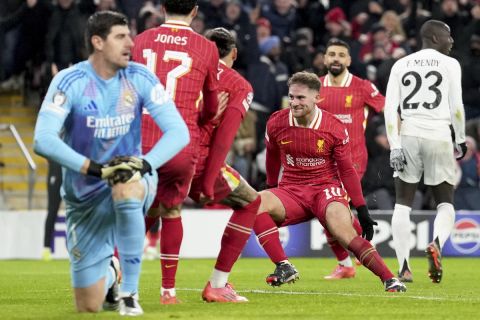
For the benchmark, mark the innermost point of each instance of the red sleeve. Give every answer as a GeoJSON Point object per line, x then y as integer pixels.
{"type": "Point", "coordinates": [348, 174]}
{"type": "Point", "coordinates": [273, 162]}
{"type": "Point", "coordinates": [221, 142]}
{"type": "Point", "coordinates": [373, 97]}
{"type": "Point", "coordinates": [210, 90]}
{"type": "Point", "coordinates": [210, 106]}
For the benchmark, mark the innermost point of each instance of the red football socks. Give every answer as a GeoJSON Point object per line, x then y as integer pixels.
{"type": "Point", "coordinates": [369, 257]}
{"type": "Point", "coordinates": [268, 236]}
{"type": "Point", "coordinates": [170, 241]}
{"type": "Point", "coordinates": [236, 235]}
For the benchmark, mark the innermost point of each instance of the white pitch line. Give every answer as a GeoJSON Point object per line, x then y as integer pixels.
{"type": "Point", "coordinates": [317, 293]}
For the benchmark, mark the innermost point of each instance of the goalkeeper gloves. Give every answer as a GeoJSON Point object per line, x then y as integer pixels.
{"type": "Point", "coordinates": [103, 171]}
{"type": "Point", "coordinates": [397, 159]}
{"type": "Point", "coordinates": [366, 222]}
{"type": "Point", "coordinates": [121, 169]}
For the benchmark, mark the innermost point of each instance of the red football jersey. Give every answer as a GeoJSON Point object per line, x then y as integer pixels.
{"type": "Point", "coordinates": [349, 103]}
{"type": "Point", "coordinates": [308, 155]}
{"type": "Point", "coordinates": [186, 64]}
{"type": "Point", "coordinates": [240, 96]}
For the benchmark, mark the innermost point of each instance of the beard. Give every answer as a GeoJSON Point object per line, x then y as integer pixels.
{"type": "Point", "coordinates": [335, 71]}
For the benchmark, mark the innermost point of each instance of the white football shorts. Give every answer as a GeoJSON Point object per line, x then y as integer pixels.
{"type": "Point", "coordinates": [433, 158]}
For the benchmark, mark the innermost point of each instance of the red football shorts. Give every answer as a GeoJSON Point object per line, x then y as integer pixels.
{"type": "Point", "coordinates": [303, 203]}
{"type": "Point", "coordinates": [174, 179]}
{"type": "Point", "coordinates": [227, 180]}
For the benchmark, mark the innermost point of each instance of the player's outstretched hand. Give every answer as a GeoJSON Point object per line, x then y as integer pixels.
{"type": "Point", "coordinates": [121, 169]}
{"type": "Point", "coordinates": [366, 222]}
{"type": "Point", "coordinates": [461, 150]}
{"type": "Point", "coordinates": [397, 159]}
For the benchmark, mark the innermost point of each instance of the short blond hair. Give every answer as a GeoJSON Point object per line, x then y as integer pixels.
{"type": "Point", "coordinates": [306, 78]}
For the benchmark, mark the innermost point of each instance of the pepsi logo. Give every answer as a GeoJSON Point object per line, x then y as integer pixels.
{"type": "Point", "coordinates": [465, 236]}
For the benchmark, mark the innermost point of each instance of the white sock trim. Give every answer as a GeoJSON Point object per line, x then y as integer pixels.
{"type": "Point", "coordinates": [219, 278]}
{"type": "Point", "coordinates": [347, 262]}
{"type": "Point", "coordinates": [172, 291]}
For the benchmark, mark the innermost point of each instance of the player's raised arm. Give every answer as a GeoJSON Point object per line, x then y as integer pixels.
{"type": "Point", "coordinates": [163, 110]}
{"type": "Point", "coordinates": [54, 111]}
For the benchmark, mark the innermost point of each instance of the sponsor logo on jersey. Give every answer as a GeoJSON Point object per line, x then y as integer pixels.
{"type": "Point", "coordinates": [465, 236]}
{"type": "Point", "coordinates": [320, 143]}
{"type": "Point", "coordinates": [309, 162]}
{"type": "Point", "coordinates": [348, 101]}
{"type": "Point", "coordinates": [345, 118]}
{"type": "Point", "coordinates": [304, 162]}
{"type": "Point", "coordinates": [110, 127]}
{"type": "Point", "coordinates": [91, 106]}
{"type": "Point", "coordinates": [290, 160]}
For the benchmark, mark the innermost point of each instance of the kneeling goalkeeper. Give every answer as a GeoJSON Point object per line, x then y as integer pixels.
{"type": "Point", "coordinates": [90, 124]}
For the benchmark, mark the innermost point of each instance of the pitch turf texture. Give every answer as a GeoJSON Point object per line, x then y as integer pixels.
{"type": "Point", "coordinates": [41, 290]}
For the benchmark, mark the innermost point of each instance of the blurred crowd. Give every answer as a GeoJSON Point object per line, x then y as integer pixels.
{"type": "Point", "coordinates": [275, 38]}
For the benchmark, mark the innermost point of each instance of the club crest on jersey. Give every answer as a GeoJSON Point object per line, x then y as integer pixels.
{"type": "Point", "coordinates": [128, 99]}
{"type": "Point", "coordinates": [348, 101]}
{"type": "Point", "coordinates": [320, 143]}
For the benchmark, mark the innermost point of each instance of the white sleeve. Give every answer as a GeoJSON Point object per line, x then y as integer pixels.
{"type": "Point", "coordinates": [455, 101]}
{"type": "Point", "coordinates": [392, 101]}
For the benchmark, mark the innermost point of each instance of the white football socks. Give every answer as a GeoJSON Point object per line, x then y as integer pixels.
{"type": "Point", "coordinates": [347, 262]}
{"type": "Point", "coordinates": [171, 291]}
{"type": "Point", "coordinates": [444, 222]}
{"type": "Point", "coordinates": [401, 233]}
{"type": "Point", "coordinates": [219, 278]}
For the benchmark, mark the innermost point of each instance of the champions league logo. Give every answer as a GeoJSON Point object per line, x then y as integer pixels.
{"type": "Point", "coordinates": [465, 236]}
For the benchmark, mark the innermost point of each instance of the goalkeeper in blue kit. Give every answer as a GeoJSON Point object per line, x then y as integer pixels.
{"type": "Point", "coordinates": [90, 123]}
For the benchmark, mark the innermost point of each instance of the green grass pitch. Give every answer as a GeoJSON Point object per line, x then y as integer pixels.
{"type": "Point", "coordinates": [41, 290]}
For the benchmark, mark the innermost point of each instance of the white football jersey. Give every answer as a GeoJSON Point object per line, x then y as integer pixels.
{"type": "Point", "coordinates": [426, 87]}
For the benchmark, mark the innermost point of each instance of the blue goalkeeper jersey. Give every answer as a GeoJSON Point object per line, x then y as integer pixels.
{"type": "Point", "coordinates": [84, 116]}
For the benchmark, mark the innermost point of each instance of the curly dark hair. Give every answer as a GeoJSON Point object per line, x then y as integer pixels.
{"type": "Point", "coordinates": [223, 39]}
